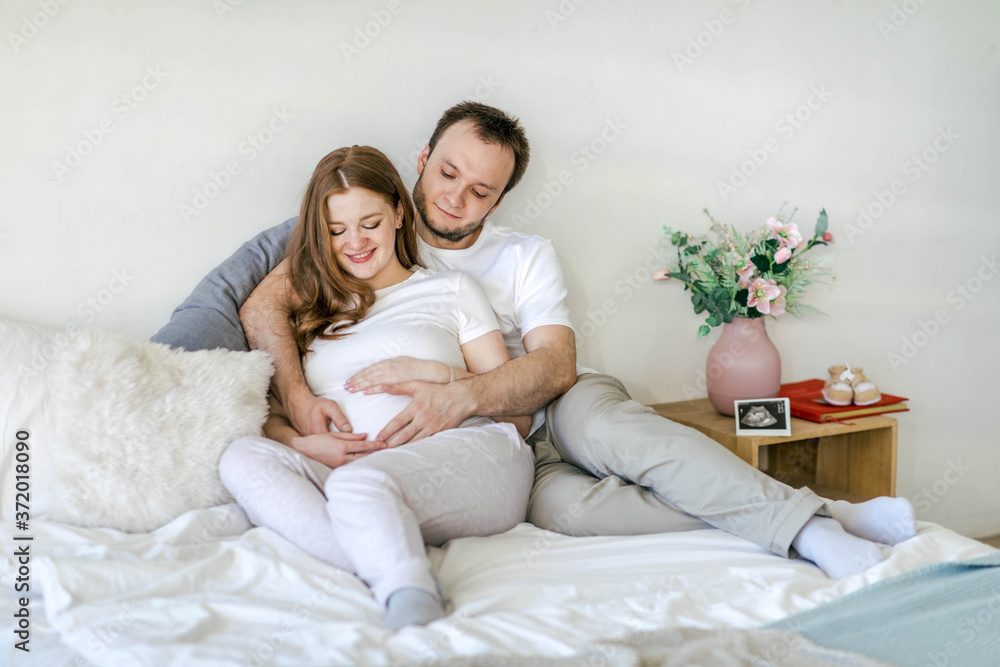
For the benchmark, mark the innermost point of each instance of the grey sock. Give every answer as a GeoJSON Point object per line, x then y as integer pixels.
{"type": "Point", "coordinates": [411, 606]}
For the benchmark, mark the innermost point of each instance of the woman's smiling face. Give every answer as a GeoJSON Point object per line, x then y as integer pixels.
{"type": "Point", "coordinates": [363, 236]}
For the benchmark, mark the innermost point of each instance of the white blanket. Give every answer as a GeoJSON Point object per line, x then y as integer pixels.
{"type": "Point", "coordinates": [208, 590]}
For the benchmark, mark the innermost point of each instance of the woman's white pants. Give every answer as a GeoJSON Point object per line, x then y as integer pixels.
{"type": "Point", "coordinates": [374, 516]}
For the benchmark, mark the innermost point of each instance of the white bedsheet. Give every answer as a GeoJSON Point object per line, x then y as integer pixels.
{"type": "Point", "coordinates": [208, 590]}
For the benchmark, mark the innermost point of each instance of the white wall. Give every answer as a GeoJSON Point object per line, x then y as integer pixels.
{"type": "Point", "coordinates": [568, 71]}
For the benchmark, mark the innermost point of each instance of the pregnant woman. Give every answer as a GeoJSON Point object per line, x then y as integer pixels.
{"type": "Point", "coordinates": [358, 297]}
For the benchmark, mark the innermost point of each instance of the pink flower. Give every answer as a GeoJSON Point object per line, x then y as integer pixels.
{"type": "Point", "coordinates": [787, 235]}
{"type": "Point", "coordinates": [762, 293]}
{"type": "Point", "coordinates": [778, 305]}
{"type": "Point", "coordinates": [782, 255]}
{"type": "Point", "coordinates": [828, 237]}
{"type": "Point", "coordinates": [744, 268]}
{"type": "Point", "coordinates": [661, 275]}
{"type": "Point", "coordinates": [744, 275]}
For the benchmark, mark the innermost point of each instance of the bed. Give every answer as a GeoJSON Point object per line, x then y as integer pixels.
{"type": "Point", "coordinates": [181, 578]}
{"type": "Point", "coordinates": [209, 589]}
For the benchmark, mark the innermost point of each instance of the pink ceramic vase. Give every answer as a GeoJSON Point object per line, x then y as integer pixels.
{"type": "Point", "coordinates": [743, 363]}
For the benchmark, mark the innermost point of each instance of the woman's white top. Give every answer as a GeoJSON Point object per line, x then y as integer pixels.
{"type": "Point", "coordinates": [427, 316]}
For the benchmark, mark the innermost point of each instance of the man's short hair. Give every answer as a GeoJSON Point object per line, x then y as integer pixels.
{"type": "Point", "coordinates": [492, 126]}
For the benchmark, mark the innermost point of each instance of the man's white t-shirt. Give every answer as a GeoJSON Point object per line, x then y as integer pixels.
{"type": "Point", "coordinates": [427, 316]}
{"type": "Point", "coordinates": [520, 274]}
{"type": "Point", "coordinates": [522, 278]}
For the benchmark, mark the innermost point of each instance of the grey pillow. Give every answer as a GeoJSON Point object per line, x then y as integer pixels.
{"type": "Point", "coordinates": [210, 317]}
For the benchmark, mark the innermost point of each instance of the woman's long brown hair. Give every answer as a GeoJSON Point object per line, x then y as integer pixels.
{"type": "Point", "coordinates": [332, 299]}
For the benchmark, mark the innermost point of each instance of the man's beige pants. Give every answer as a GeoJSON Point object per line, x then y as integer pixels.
{"type": "Point", "coordinates": [607, 465]}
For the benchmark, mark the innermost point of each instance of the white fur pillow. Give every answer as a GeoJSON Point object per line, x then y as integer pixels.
{"type": "Point", "coordinates": [133, 430]}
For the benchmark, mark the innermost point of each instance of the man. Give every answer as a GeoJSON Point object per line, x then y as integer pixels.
{"type": "Point", "coordinates": [604, 463]}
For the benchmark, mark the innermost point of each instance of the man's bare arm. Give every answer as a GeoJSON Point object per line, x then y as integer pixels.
{"type": "Point", "coordinates": [266, 321]}
{"type": "Point", "coordinates": [517, 387]}
{"type": "Point", "coordinates": [523, 385]}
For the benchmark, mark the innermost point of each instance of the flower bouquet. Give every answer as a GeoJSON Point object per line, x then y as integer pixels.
{"type": "Point", "coordinates": [732, 274]}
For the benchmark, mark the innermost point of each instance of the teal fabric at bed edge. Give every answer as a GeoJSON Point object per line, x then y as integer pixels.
{"type": "Point", "coordinates": [946, 614]}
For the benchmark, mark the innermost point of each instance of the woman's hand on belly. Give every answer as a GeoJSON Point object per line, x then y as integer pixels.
{"type": "Point", "coordinates": [336, 449]}
{"type": "Point", "coordinates": [401, 369]}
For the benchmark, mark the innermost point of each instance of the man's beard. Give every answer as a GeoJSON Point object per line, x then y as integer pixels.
{"type": "Point", "coordinates": [450, 235]}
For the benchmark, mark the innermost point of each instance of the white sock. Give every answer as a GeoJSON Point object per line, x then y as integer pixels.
{"type": "Point", "coordinates": [823, 541]}
{"type": "Point", "coordinates": [884, 519]}
{"type": "Point", "coordinates": [411, 606]}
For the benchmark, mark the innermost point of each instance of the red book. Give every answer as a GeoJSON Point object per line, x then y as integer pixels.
{"type": "Point", "coordinates": [805, 401]}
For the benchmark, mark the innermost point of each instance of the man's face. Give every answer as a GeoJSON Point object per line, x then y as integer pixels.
{"type": "Point", "coordinates": [460, 184]}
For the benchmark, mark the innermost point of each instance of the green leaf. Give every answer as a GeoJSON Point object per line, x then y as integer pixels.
{"type": "Point", "coordinates": [698, 301]}
{"type": "Point", "coordinates": [742, 296]}
{"type": "Point", "coordinates": [762, 262]}
{"type": "Point", "coordinates": [821, 224]}
{"type": "Point", "coordinates": [706, 276]}
{"type": "Point", "coordinates": [781, 268]}
{"type": "Point", "coordinates": [703, 330]}
{"type": "Point", "coordinates": [728, 317]}
{"type": "Point", "coordinates": [684, 277]}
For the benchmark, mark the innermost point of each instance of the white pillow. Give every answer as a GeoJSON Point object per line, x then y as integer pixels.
{"type": "Point", "coordinates": [123, 433]}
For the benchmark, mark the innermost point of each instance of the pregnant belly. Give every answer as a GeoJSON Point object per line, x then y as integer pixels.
{"type": "Point", "coordinates": [369, 413]}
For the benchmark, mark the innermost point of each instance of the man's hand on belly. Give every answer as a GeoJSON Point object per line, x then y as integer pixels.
{"type": "Point", "coordinates": [435, 408]}
{"type": "Point", "coordinates": [336, 449]}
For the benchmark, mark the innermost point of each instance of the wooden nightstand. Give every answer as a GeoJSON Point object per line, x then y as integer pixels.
{"type": "Point", "coordinates": [851, 461]}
